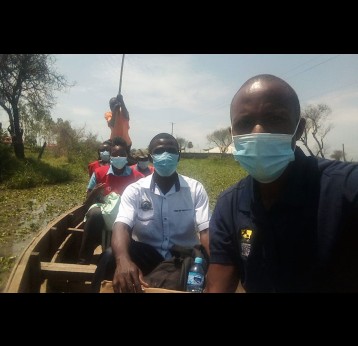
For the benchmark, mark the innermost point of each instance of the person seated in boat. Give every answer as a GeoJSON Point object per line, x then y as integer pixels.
{"type": "Point", "coordinates": [291, 225]}
{"type": "Point", "coordinates": [162, 210]}
{"type": "Point", "coordinates": [143, 165]}
{"type": "Point", "coordinates": [105, 180]}
{"type": "Point", "coordinates": [118, 120]}
{"type": "Point", "coordinates": [103, 157]}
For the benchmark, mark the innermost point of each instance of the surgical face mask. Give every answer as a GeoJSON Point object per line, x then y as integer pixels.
{"type": "Point", "coordinates": [104, 155]}
{"type": "Point", "coordinates": [165, 164]}
{"type": "Point", "coordinates": [143, 164]}
{"type": "Point", "coordinates": [119, 161]}
{"type": "Point", "coordinates": [264, 156]}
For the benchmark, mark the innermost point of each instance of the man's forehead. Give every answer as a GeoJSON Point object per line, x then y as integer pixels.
{"type": "Point", "coordinates": [264, 85]}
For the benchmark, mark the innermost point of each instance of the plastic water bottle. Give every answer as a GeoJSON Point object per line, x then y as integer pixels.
{"type": "Point", "coordinates": [196, 277]}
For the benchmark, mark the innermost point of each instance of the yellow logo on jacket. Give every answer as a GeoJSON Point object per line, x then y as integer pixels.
{"type": "Point", "coordinates": [246, 234]}
{"type": "Point", "coordinates": [246, 238]}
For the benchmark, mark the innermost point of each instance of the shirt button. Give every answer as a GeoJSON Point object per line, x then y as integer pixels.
{"type": "Point", "coordinates": [165, 219]}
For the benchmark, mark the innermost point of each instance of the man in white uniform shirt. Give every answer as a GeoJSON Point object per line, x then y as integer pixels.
{"type": "Point", "coordinates": [156, 212]}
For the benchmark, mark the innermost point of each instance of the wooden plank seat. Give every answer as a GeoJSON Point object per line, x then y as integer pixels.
{"type": "Point", "coordinates": [67, 271]}
{"type": "Point", "coordinates": [73, 229]}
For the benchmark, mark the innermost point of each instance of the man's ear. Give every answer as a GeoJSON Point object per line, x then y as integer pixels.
{"type": "Point", "coordinates": [179, 153]}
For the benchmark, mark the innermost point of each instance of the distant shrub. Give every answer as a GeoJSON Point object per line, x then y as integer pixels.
{"type": "Point", "coordinates": [31, 173]}
{"type": "Point", "coordinates": [6, 164]}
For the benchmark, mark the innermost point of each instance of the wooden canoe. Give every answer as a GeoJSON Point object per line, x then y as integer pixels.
{"type": "Point", "coordinates": [48, 263]}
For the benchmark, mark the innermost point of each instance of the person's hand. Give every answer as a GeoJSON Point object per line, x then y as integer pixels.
{"type": "Point", "coordinates": [128, 278]}
{"type": "Point", "coordinates": [98, 190]}
{"type": "Point", "coordinates": [96, 195]}
{"type": "Point", "coordinates": [115, 103]}
{"type": "Point", "coordinates": [120, 99]}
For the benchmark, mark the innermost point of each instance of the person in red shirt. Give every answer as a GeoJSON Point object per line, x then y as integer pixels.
{"type": "Point", "coordinates": [118, 120]}
{"type": "Point", "coordinates": [142, 165]}
{"type": "Point", "coordinates": [103, 157]}
{"type": "Point", "coordinates": [105, 179]}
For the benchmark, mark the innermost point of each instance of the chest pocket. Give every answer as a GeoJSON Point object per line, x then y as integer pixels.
{"type": "Point", "coordinates": [145, 210]}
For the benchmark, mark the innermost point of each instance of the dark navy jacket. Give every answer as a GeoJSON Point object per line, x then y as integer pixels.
{"type": "Point", "coordinates": [308, 241]}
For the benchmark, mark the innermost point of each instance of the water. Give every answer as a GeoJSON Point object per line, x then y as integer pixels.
{"type": "Point", "coordinates": [196, 277]}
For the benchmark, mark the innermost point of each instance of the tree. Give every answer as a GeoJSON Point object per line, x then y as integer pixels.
{"type": "Point", "coordinates": [316, 126]}
{"type": "Point", "coordinates": [27, 79]}
{"type": "Point", "coordinates": [221, 138]}
{"type": "Point", "coordinates": [74, 143]}
{"type": "Point", "coordinates": [37, 125]}
{"type": "Point", "coordinates": [340, 155]}
{"type": "Point", "coordinates": [182, 143]}
{"type": "Point", "coordinates": [337, 155]}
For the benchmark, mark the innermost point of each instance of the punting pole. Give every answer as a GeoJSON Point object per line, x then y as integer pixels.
{"type": "Point", "coordinates": [120, 80]}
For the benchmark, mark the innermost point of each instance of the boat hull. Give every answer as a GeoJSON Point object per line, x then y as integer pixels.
{"type": "Point", "coordinates": [48, 263]}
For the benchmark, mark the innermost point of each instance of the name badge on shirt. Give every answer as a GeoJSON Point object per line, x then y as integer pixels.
{"type": "Point", "coordinates": [146, 205]}
{"type": "Point", "coordinates": [246, 240]}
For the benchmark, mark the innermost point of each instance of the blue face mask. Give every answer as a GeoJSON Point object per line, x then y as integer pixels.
{"type": "Point", "coordinates": [119, 162]}
{"type": "Point", "coordinates": [143, 165]}
{"type": "Point", "coordinates": [165, 164]}
{"type": "Point", "coordinates": [104, 156]}
{"type": "Point", "coordinates": [264, 156]}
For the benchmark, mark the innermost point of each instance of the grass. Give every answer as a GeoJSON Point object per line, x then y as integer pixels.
{"type": "Point", "coordinates": [36, 192]}
{"type": "Point", "coordinates": [215, 173]}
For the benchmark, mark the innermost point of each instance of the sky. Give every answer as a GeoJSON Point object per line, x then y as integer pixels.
{"type": "Point", "coordinates": [189, 95]}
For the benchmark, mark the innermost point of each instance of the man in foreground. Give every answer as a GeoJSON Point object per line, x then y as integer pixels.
{"type": "Point", "coordinates": [292, 224]}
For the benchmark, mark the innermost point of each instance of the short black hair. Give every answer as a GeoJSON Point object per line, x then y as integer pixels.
{"type": "Point", "coordinates": [119, 141]}
{"type": "Point", "coordinates": [162, 135]}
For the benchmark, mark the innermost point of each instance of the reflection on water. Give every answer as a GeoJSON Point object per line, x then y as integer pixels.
{"type": "Point", "coordinates": [14, 248]}
{"type": "Point", "coordinates": [9, 252]}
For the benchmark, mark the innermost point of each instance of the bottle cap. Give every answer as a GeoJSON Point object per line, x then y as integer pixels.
{"type": "Point", "coordinates": [198, 260]}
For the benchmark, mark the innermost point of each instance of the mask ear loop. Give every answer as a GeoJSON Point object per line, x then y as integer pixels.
{"type": "Point", "coordinates": [294, 134]}
{"type": "Point", "coordinates": [232, 136]}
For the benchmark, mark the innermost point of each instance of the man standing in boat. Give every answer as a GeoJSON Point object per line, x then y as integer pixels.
{"type": "Point", "coordinates": [118, 120]}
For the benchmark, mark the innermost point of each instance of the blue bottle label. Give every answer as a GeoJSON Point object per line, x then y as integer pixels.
{"type": "Point", "coordinates": [195, 279]}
